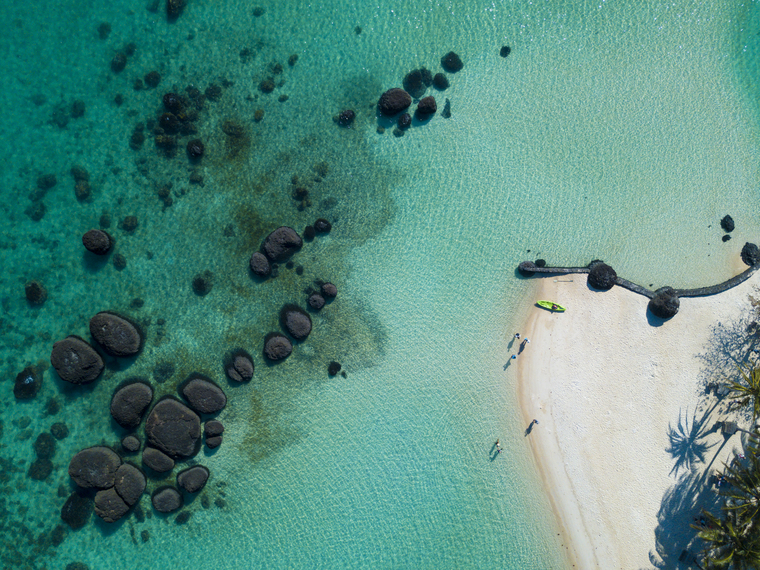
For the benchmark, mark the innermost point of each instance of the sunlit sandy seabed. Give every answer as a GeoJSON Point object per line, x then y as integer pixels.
{"type": "Point", "coordinates": [610, 131]}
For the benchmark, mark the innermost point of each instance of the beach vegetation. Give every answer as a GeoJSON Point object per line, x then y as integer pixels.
{"type": "Point", "coordinates": [747, 392]}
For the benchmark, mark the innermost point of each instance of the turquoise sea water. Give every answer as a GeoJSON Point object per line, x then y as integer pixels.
{"type": "Point", "coordinates": [612, 131]}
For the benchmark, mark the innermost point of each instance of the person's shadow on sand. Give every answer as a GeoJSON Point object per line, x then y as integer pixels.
{"type": "Point", "coordinates": [530, 428]}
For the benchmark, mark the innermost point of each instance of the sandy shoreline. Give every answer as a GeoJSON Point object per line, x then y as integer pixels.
{"type": "Point", "coordinates": [610, 391]}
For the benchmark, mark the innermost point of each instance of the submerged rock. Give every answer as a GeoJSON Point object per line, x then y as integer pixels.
{"type": "Point", "coordinates": [28, 383]}
{"type": "Point", "coordinates": [76, 510]}
{"type": "Point", "coordinates": [35, 292]}
{"type": "Point", "coordinates": [97, 242]}
{"type": "Point", "coordinates": [109, 506]}
{"type": "Point", "coordinates": [203, 395]}
{"type": "Point", "coordinates": [193, 479]}
{"type": "Point", "coordinates": [240, 367]}
{"type": "Point", "coordinates": [166, 500]}
{"type": "Point", "coordinates": [277, 347]}
{"type": "Point", "coordinates": [451, 62]}
{"type": "Point", "coordinates": [260, 264]}
{"type": "Point", "coordinates": [296, 321]}
{"type": "Point", "coordinates": [282, 243]}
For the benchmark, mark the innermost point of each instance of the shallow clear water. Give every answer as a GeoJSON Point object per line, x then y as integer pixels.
{"type": "Point", "coordinates": [610, 131]}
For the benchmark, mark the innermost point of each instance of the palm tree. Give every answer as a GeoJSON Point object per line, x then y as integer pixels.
{"type": "Point", "coordinates": [749, 391]}
{"type": "Point", "coordinates": [730, 542]}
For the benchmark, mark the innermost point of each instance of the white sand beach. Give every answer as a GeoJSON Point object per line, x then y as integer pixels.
{"type": "Point", "coordinates": [619, 401]}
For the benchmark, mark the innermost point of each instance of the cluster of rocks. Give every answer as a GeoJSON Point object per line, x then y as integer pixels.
{"type": "Point", "coordinates": [395, 102]}
{"type": "Point", "coordinates": [727, 223]}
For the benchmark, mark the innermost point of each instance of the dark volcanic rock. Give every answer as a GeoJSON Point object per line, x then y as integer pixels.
{"type": "Point", "coordinates": [329, 291]}
{"type": "Point", "coordinates": [109, 506]}
{"type": "Point", "coordinates": [59, 430]}
{"type": "Point", "coordinates": [440, 82]}
{"type": "Point", "coordinates": [451, 62]}
{"type": "Point", "coordinates": [76, 510]}
{"type": "Point", "coordinates": [725, 238]}
{"type": "Point", "coordinates": [316, 301]}
{"type": "Point", "coordinates": [260, 264]}
{"type": "Point", "coordinates": [195, 149]}
{"type": "Point", "coordinates": [394, 101]}
{"type": "Point", "coordinates": [129, 483]}
{"type": "Point", "coordinates": [76, 361]}
{"type": "Point", "coordinates": [727, 223]}
{"type": "Point", "coordinates": [346, 118]}
{"type": "Point", "coordinates": [173, 428]}
{"type": "Point", "coordinates": [527, 268]}
{"type": "Point", "coordinates": [44, 445]}
{"type": "Point", "coordinates": [282, 243]}
{"type": "Point", "coordinates": [214, 441]}
{"type": "Point", "coordinates": [129, 404]}
{"type": "Point", "coordinates": [601, 276]}
{"type": "Point", "coordinates": [157, 460]}
{"type": "Point", "coordinates": [213, 428]}
{"type": "Point", "coordinates": [131, 444]}
{"type": "Point", "coordinates": [118, 63]}
{"type": "Point", "coordinates": [203, 283]}
{"type": "Point", "coordinates": [665, 303]}
{"type": "Point", "coordinates": [413, 83]}
{"type": "Point", "coordinates": [333, 368]}
{"type": "Point", "coordinates": [28, 383]}
{"type": "Point", "coordinates": [97, 242]}
{"type": "Point", "coordinates": [427, 106]}
{"type": "Point", "coordinates": [505, 51]}
{"type": "Point", "coordinates": [322, 226]}
{"type": "Point", "coordinates": [193, 479]}
{"type": "Point", "coordinates": [35, 292]}
{"type": "Point", "coordinates": [277, 347]}
{"type": "Point", "coordinates": [405, 121]}
{"type": "Point", "coordinates": [40, 469]}
{"type": "Point", "coordinates": [240, 367]}
{"type": "Point", "coordinates": [750, 254]}
{"type": "Point", "coordinates": [166, 500]}
{"type": "Point", "coordinates": [296, 321]}
{"type": "Point", "coordinates": [115, 334]}
{"type": "Point", "coordinates": [203, 395]}
{"type": "Point", "coordinates": [174, 8]}
{"type": "Point", "coordinates": [94, 467]}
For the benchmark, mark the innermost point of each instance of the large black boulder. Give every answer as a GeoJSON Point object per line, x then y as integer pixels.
{"type": "Point", "coordinates": [296, 321]}
{"type": "Point", "coordinates": [129, 483]}
{"type": "Point", "coordinates": [451, 62]}
{"type": "Point", "coordinates": [109, 506]}
{"type": "Point", "coordinates": [727, 223]}
{"type": "Point", "coordinates": [213, 428]}
{"type": "Point", "coordinates": [239, 366]}
{"type": "Point", "coordinates": [394, 101]}
{"type": "Point", "coordinates": [260, 264]}
{"type": "Point", "coordinates": [277, 347]}
{"type": "Point", "coordinates": [157, 460]}
{"type": "Point", "coordinates": [76, 510]}
{"type": "Point", "coordinates": [118, 336]}
{"type": "Point", "coordinates": [76, 361]}
{"type": "Point", "coordinates": [166, 500]}
{"type": "Point", "coordinates": [665, 303]}
{"type": "Point", "coordinates": [129, 403]}
{"type": "Point", "coordinates": [173, 428]}
{"type": "Point", "coordinates": [97, 242]}
{"type": "Point", "coordinates": [94, 467]}
{"type": "Point", "coordinates": [203, 395]}
{"type": "Point", "coordinates": [28, 383]}
{"type": "Point", "coordinates": [750, 254]}
{"type": "Point", "coordinates": [601, 276]}
{"type": "Point", "coordinates": [427, 107]}
{"type": "Point", "coordinates": [282, 243]}
{"type": "Point", "coordinates": [193, 479]}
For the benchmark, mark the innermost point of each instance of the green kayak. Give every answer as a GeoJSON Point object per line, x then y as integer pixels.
{"type": "Point", "coordinates": [551, 305]}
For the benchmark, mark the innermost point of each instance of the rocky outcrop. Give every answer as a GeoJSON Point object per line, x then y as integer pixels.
{"type": "Point", "coordinates": [28, 383]}
{"type": "Point", "coordinates": [203, 395]}
{"type": "Point", "coordinates": [727, 223]}
{"type": "Point", "coordinates": [118, 336]}
{"type": "Point", "coordinates": [394, 101]}
{"type": "Point", "coordinates": [167, 500]}
{"type": "Point", "coordinates": [109, 506]}
{"type": "Point", "coordinates": [157, 460]}
{"type": "Point", "coordinates": [277, 347]}
{"type": "Point", "coordinates": [750, 254]}
{"type": "Point", "coordinates": [193, 479]}
{"type": "Point", "coordinates": [94, 467]}
{"type": "Point", "coordinates": [665, 303]}
{"type": "Point", "coordinates": [296, 321]}
{"type": "Point", "coordinates": [240, 367]}
{"type": "Point", "coordinates": [129, 403]}
{"type": "Point", "coordinates": [427, 107]}
{"type": "Point", "coordinates": [76, 361]}
{"type": "Point", "coordinates": [173, 428]}
{"type": "Point", "coordinates": [97, 242]}
{"type": "Point", "coordinates": [260, 264]}
{"type": "Point", "coordinates": [601, 276]}
{"type": "Point", "coordinates": [281, 243]}
{"type": "Point", "coordinates": [129, 483]}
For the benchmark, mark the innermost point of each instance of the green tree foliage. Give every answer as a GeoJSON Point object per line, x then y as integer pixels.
{"type": "Point", "coordinates": [748, 391]}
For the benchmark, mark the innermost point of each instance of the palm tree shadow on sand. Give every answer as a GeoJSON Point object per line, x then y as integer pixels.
{"type": "Point", "coordinates": [686, 442]}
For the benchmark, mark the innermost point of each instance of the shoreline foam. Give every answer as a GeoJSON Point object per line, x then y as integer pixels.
{"type": "Point", "coordinates": [607, 388]}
